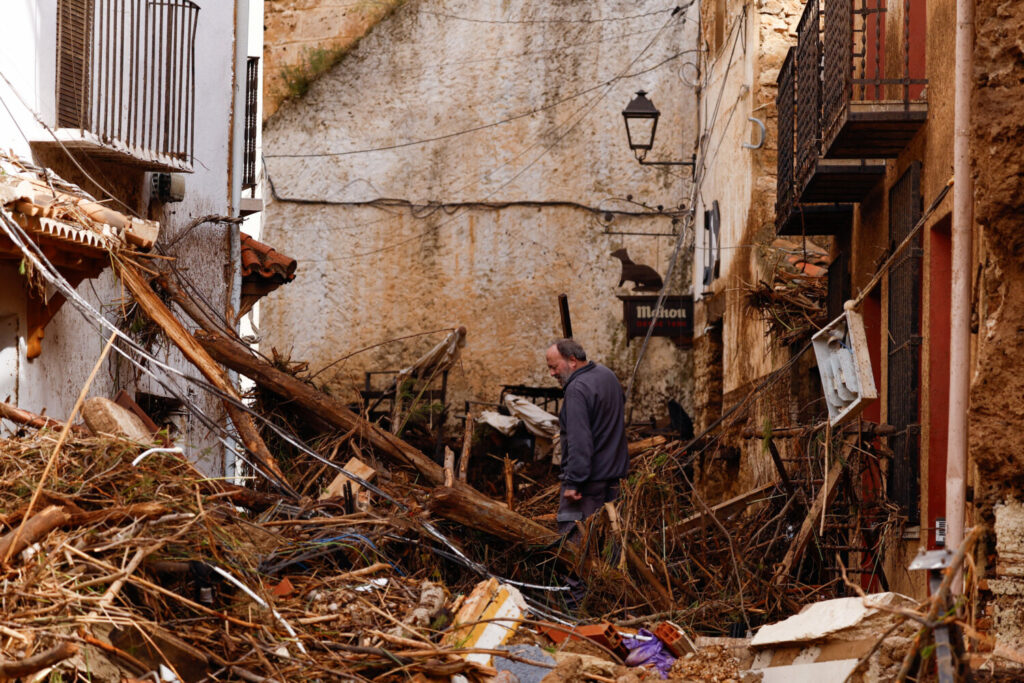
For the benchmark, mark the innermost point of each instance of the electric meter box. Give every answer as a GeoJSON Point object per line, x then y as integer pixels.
{"type": "Point", "coordinates": [844, 364]}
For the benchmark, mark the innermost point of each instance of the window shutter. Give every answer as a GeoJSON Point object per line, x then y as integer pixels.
{"type": "Point", "coordinates": [74, 57]}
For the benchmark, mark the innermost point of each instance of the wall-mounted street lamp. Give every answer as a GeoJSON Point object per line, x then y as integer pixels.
{"type": "Point", "coordinates": [641, 118]}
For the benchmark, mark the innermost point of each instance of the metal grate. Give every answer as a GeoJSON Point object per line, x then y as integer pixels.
{"type": "Point", "coordinates": [252, 84]}
{"type": "Point", "coordinates": [808, 91]}
{"type": "Point", "coordinates": [838, 58]}
{"type": "Point", "coordinates": [785, 102]}
{"type": "Point", "coordinates": [904, 379]}
{"type": "Point", "coordinates": [126, 72]}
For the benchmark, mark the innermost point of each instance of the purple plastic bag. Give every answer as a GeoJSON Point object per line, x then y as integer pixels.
{"type": "Point", "coordinates": [650, 653]}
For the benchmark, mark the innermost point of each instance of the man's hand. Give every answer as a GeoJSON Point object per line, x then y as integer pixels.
{"type": "Point", "coordinates": [572, 494]}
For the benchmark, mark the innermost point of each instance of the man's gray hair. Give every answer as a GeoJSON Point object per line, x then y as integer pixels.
{"type": "Point", "coordinates": [570, 348]}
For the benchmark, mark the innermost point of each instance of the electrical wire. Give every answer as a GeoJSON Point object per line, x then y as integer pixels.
{"type": "Point", "coordinates": [580, 115]}
{"type": "Point", "coordinates": [561, 49]}
{"type": "Point", "coordinates": [548, 21]}
{"type": "Point", "coordinates": [472, 129]}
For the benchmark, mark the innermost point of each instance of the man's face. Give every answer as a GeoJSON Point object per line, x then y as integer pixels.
{"type": "Point", "coordinates": [560, 367]}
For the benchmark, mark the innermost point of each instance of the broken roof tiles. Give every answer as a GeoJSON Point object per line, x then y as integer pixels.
{"type": "Point", "coordinates": [44, 204]}
{"type": "Point", "coordinates": [263, 261]}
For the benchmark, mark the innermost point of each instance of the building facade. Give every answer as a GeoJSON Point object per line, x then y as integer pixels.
{"type": "Point", "coordinates": [858, 98]}
{"type": "Point", "coordinates": [432, 184]}
{"type": "Point", "coordinates": [142, 106]}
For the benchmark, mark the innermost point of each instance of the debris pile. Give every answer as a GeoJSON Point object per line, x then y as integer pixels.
{"type": "Point", "coordinates": [137, 559]}
{"type": "Point", "coordinates": [794, 304]}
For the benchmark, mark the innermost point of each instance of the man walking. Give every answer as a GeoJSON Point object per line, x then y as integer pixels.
{"type": "Point", "coordinates": [593, 433]}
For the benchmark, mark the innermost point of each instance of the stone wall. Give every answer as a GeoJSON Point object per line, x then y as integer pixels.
{"type": "Point", "coordinates": [996, 411]}
{"type": "Point", "coordinates": [477, 167]}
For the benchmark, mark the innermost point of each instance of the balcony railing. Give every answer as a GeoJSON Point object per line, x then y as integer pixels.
{"type": "Point", "coordinates": [817, 179]}
{"type": "Point", "coordinates": [873, 96]}
{"type": "Point", "coordinates": [808, 87]}
{"type": "Point", "coordinates": [791, 216]}
{"type": "Point", "coordinates": [126, 79]}
{"type": "Point", "coordinates": [785, 105]}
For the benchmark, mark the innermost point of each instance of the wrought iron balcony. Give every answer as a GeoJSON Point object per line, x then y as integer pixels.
{"type": "Point", "coordinates": [817, 179]}
{"type": "Point", "coordinates": [792, 216]}
{"type": "Point", "coordinates": [126, 80]}
{"type": "Point", "coordinates": [874, 87]}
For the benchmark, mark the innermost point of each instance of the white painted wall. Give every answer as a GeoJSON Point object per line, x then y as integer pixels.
{"type": "Point", "coordinates": [27, 59]}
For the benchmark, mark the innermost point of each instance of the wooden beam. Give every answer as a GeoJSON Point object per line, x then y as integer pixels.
{"type": "Point", "coordinates": [825, 496]}
{"type": "Point", "coordinates": [722, 510]}
{"type": "Point", "coordinates": [467, 446]}
{"type": "Point", "coordinates": [158, 312]}
{"type": "Point", "coordinates": [241, 358]}
{"type": "Point", "coordinates": [780, 468]}
{"type": "Point", "coordinates": [480, 512]}
{"type": "Point", "coordinates": [637, 447]}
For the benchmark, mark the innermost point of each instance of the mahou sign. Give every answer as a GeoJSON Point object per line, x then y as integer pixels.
{"type": "Point", "coordinates": [675, 320]}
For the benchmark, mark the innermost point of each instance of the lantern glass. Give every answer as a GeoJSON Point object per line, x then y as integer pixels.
{"type": "Point", "coordinates": [641, 117]}
{"type": "Point", "coordinates": [640, 132]}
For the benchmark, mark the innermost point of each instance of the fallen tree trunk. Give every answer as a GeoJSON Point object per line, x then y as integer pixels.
{"type": "Point", "coordinates": [459, 503]}
{"type": "Point", "coordinates": [35, 529]}
{"type": "Point", "coordinates": [241, 359]}
{"type": "Point", "coordinates": [480, 512]}
{"type": "Point", "coordinates": [21, 416]}
{"type": "Point", "coordinates": [158, 312]}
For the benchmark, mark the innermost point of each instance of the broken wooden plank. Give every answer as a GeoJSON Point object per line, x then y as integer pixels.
{"type": "Point", "coordinates": [336, 488]}
{"type": "Point", "coordinates": [21, 416]}
{"type": "Point", "coordinates": [467, 446]}
{"type": "Point", "coordinates": [825, 496]}
{"type": "Point", "coordinates": [722, 510]}
{"type": "Point", "coordinates": [780, 468]}
{"type": "Point", "coordinates": [157, 311]}
{"type": "Point", "coordinates": [449, 467]}
{"type": "Point", "coordinates": [510, 483]}
{"type": "Point", "coordinates": [103, 416]}
{"type": "Point", "coordinates": [642, 445]}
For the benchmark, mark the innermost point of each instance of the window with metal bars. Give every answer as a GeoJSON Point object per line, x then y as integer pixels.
{"type": "Point", "coordinates": [252, 84]}
{"type": "Point", "coordinates": [904, 376]}
{"type": "Point", "coordinates": [126, 72]}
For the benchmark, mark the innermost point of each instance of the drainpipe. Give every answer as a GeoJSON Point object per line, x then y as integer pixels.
{"type": "Point", "coordinates": [960, 303]}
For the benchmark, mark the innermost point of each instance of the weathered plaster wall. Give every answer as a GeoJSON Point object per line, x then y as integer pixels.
{"type": "Point", "coordinates": [303, 35]}
{"type": "Point", "coordinates": [996, 411]}
{"type": "Point", "coordinates": [526, 201]}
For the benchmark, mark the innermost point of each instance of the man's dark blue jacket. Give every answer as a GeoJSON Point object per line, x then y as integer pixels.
{"type": "Point", "coordinates": [593, 427]}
